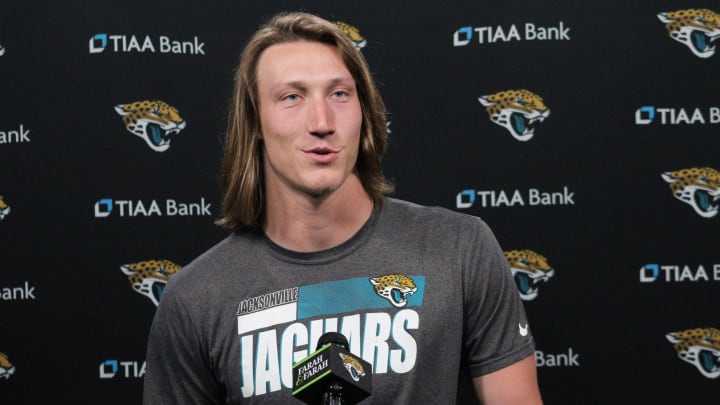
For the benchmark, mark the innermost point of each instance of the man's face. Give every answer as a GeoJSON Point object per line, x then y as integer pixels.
{"type": "Point", "coordinates": [310, 117]}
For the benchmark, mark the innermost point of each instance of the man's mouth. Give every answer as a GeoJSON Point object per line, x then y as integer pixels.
{"type": "Point", "coordinates": [321, 151]}
{"type": "Point", "coordinates": [321, 154]}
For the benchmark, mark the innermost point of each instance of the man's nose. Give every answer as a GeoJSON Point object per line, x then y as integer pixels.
{"type": "Point", "coordinates": [320, 119]}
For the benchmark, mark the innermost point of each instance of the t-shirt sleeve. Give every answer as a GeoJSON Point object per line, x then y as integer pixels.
{"type": "Point", "coordinates": [496, 332]}
{"type": "Point", "coordinates": [177, 369]}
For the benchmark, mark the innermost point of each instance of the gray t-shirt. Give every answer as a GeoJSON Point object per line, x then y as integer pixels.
{"type": "Point", "coordinates": [419, 292]}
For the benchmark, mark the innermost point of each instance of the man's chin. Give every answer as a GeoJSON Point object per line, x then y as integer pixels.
{"type": "Point", "coordinates": [321, 192]}
{"type": "Point", "coordinates": [322, 187]}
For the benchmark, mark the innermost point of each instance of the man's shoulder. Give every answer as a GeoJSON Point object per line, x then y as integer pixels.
{"type": "Point", "coordinates": [431, 227]}
{"type": "Point", "coordinates": [216, 260]}
{"type": "Point", "coordinates": [410, 213]}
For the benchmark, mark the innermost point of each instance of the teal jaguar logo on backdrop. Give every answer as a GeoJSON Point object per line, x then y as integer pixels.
{"type": "Point", "coordinates": [517, 111]}
{"type": "Point", "coordinates": [154, 121]}
{"type": "Point", "coordinates": [6, 367]}
{"type": "Point", "coordinates": [4, 208]}
{"type": "Point", "coordinates": [150, 277]}
{"type": "Point", "coordinates": [353, 33]}
{"type": "Point", "coordinates": [530, 270]}
{"type": "Point", "coordinates": [695, 28]}
{"type": "Point", "coordinates": [699, 347]}
{"type": "Point", "coordinates": [698, 187]}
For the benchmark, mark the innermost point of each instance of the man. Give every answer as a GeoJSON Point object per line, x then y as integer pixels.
{"type": "Point", "coordinates": [421, 293]}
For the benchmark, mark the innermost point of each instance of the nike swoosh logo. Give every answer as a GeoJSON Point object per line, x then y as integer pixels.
{"type": "Point", "coordinates": [523, 329]}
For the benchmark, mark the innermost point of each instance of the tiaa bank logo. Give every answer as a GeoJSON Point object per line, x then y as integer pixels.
{"type": "Point", "coordinates": [673, 273]}
{"type": "Point", "coordinates": [511, 198]}
{"type": "Point", "coordinates": [106, 207]}
{"type": "Point", "coordinates": [517, 111]}
{"type": "Point", "coordinates": [114, 368]}
{"type": "Point", "coordinates": [699, 347]}
{"type": "Point", "coordinates": [4, 208]}
{"type": "Point", "coordinates": [568, 359]}
{"type": "Point", "coordinates": [530, 270]}
{"type": "Point", "coordinates": [121, 43]}
{"type": "Point", "coordinates": [648, 114]}
{"type": "Point", "coordinates": [6, 367]}
{"type": "Point", "coordinates": [698, 187]}
{"type": "Point", "coordinates": [19, 135]}
{"type": "Point", "coordinates": [156, 122]}
{"type": "Point", "coordinates": [528, 32]}
{"type": "Point", "coordinates": [150, 277]}
{"type": "Point", "coordinates": [695, 28]}
{"type": "Point", "coordinates": [353, 33]}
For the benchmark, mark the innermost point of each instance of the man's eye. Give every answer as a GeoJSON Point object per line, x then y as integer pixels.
{"type": "Point", "coordinates": [291, 97]}
{"type": "Point", "coordinates": [341, 94]}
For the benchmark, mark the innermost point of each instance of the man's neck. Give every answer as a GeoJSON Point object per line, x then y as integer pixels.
{"type": "Point", "coordinates": [304, 223]}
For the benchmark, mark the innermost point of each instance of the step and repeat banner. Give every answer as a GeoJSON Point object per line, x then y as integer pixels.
{"type": "Point", "coordinates": [586, 134]}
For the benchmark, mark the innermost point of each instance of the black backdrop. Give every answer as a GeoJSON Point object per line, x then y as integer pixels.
{"type": "Point", "coordinates": [72, 330]}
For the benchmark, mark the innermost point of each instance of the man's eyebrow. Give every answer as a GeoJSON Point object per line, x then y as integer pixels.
{"type": "Point", "coordinates": [343, 80]}
{"type": "Point", "coordinates": [302, 84]}
{"type": "Point", "coordinates": [293, 83]}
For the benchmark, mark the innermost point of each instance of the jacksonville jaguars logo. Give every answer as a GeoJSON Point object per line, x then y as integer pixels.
{"type": "Point", "coordinates": [699, 347]}
{"type": "Point", "coordinates": [396, 288]}
{"type": "Point", "coordinates": [695, 28]}
{"type": "Point", "coordinates": [699, 187]}
{"type": "Point", "coordinates": [356, 370]}
{"type": "Point", "coordinates": [2, 50]}
{"type": "Point", "coordinates": [529, 270]}
{"type": "Point", "coordinates": [150, 277]}
{"type": "Point", "coordinates": [516, 111]}
{"type": "Point", "coordinates": [353, 33]}
{"type": "Point", "coordinates": [156, 122]}
{"type": "Point", "coordinates": [4, 208]}
{"type": "Point", "coordinates": [6, 368]}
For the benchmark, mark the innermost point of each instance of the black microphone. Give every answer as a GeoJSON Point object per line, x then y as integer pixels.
{"type": "Point", "coordinates": [332, 375]}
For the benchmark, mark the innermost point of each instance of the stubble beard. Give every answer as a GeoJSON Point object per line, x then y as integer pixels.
{"type": "Point", "coordinates": [320, 193]}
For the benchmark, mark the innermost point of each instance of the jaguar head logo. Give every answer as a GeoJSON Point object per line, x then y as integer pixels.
{"type": "Point", "coordinates": [695, 28]}
{"type": "Point", "coordinates": [396, 288]}
{"type": "Point", "coordinates": [156, 122]}
{"type": "Point", "coordinates": [699, 347]}
{"type": "Point", "coordinates": [517, 111]}
{"type": "Point", "coordinates": [529, 270]}
{"type": "Point", "coordinates": [4, 208]}
{"type": "Point", "coordinates": [150, 277]}
{"type": "Point", "coordinates": [356, 370]}
{"type": "Point", "coordinates": [699, 187]}
{"type": "Point", "coordinates": [353, 33]}
{"type": "Point", "coordinates": [2, 50]}
{"type": "Point", "coordinates": [6, 368]}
